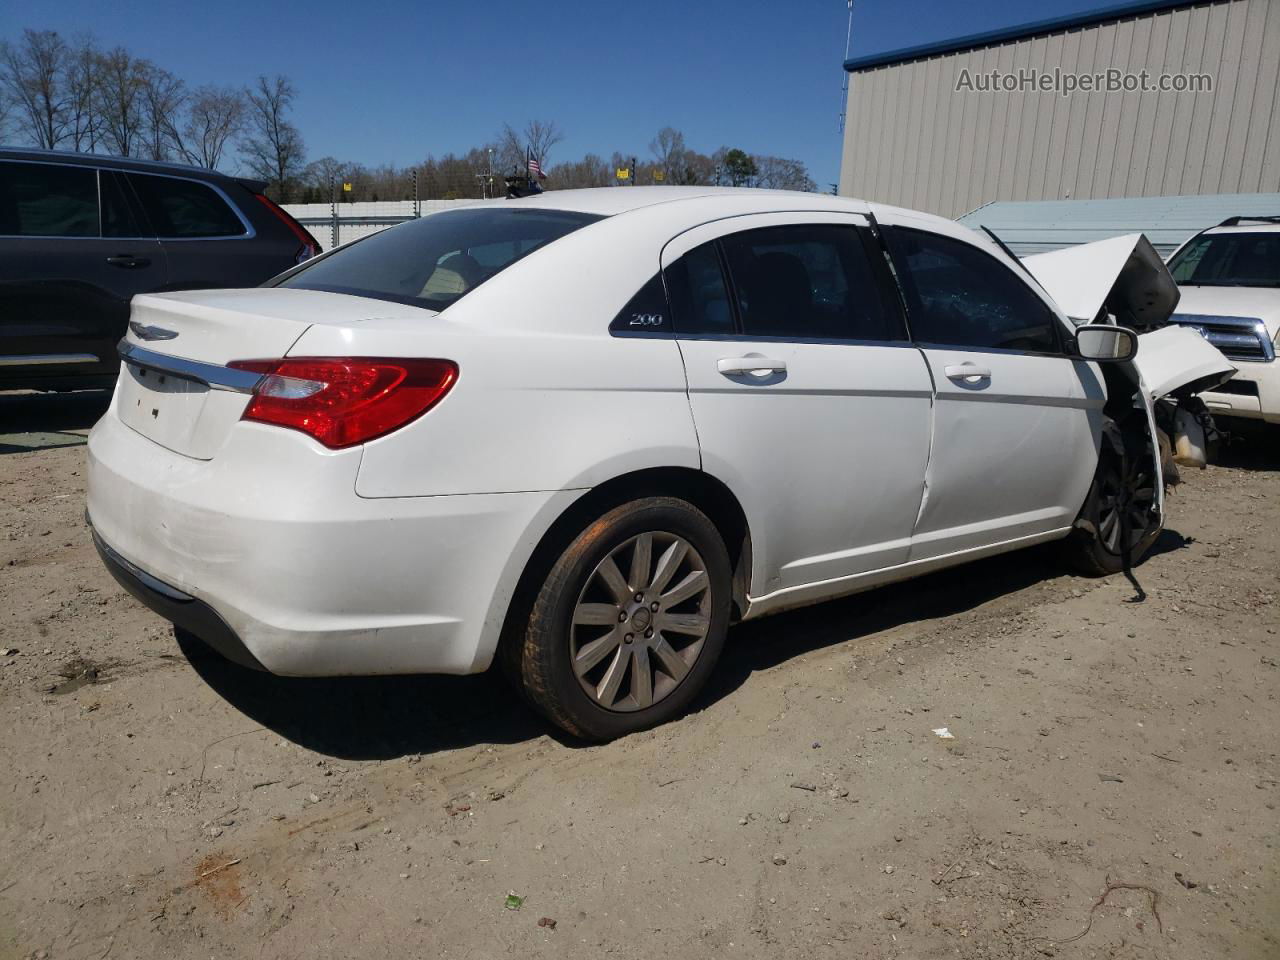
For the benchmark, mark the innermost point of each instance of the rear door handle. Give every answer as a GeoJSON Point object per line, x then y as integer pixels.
{"type": "Point", "coordinates": [969, 372]}
{"type": "Point", "coordinates": [758, 366]}
{"type": "Point", "coordinates": [129, 262]}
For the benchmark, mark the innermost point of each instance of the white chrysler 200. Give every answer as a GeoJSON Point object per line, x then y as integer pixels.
{"type": "Point", "coordinates": [584, 432]}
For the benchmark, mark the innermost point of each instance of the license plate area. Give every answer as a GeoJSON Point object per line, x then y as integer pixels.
{"type": "Point", "coordinates": [162, 407]}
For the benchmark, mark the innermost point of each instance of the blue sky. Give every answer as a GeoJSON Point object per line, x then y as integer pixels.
{"type": "Point", "coordinates": [394, 81]}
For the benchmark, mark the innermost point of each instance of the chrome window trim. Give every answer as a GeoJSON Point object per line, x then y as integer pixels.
{"type": "Point", "coordinates": [249, 233]}
{"type": "Point", "coordinates": [213, 375]}
{"type": "Point", "coordinates": [46, 359]}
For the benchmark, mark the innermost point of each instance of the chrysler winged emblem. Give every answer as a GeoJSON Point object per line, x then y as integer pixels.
{"type": "Point", "coordinates": [144, 332]}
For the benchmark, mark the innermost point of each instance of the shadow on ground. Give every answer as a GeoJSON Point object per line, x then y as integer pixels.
{"type": "Point", "coordinates": [385, 717]}
{"type": "Point", "coordinates": [1249, 445]}
{"type": "Point", "coordinates": [39, 421]}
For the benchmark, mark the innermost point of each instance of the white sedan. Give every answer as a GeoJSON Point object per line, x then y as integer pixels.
{"type": "Point", "coordinates": [585, 432]}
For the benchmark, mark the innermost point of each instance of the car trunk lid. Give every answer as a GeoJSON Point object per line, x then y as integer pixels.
{"type": "Point", "coordinates": [175, 387]}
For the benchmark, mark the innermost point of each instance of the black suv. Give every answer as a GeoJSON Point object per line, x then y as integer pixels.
{"type": "Point", "coordinates": [80, 234]}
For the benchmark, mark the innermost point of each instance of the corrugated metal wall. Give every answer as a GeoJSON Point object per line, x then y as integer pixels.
{"type": "Point", "coordinates": [912, 139]}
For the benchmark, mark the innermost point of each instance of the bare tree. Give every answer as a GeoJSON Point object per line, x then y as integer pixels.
{"type": "Point", "coordinates": [6, 101]}
{"type": "Point", "coordinates": [121, 81]}
{"type": "Point", "coordinates": [591, 171]}
{"type": "Point", "coordinates": [162, 97]}
{"type": "Point", "coordinates": [215, 116]}
{"type": "Point", "coordinates": [273, 147]}
{"type": "Point", "coordinates": [669, 151]}
{"type": "Point", "coordinates": [779, 173]}
{"type": "Point", "coordinates": [542, 136]}
{"type": "Point", "coordinates": [33, 78]}
{"type": "Point", "coordinates": [537, 139]}
{"type": "Point", "coordinates": [81, 72]}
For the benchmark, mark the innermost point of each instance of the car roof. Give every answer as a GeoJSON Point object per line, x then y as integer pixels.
{"type": "Point", "coordinates": [126, 163]}
{"type": "Point", "coordinates": [608, 201]}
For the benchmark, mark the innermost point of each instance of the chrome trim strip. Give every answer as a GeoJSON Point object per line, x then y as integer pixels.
{"type": "Point", "coordinates": [213, 375]}
{"type": "Point", "coordinates": [148, 581]}
{"type": "Point", "coordinates": [47, 359]}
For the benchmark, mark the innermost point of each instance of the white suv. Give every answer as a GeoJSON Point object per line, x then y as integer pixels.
{"type": "Point", "coordinates": [1229, 276]}
{"type": "Point", "coordinates": [581, 433]}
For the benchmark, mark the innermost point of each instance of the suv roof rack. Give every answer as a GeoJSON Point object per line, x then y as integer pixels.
{"type": "Point", "coordinates": [1236, 221]}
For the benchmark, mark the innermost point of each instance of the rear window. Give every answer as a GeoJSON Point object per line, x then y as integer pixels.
{"type": "Point", "coordinates": [1229, 260]}
{"type": "Point", "coordinates": [433, 262]}
{"type": "Point", "coordinates": [184, 209]}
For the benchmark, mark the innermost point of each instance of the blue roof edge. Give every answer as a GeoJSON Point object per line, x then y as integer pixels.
{"type": "Point", "coordinates": [1086, 18]}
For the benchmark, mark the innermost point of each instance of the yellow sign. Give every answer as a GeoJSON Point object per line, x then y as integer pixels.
{"type": "Point", "coordinates": [624, 173]}
{"type": "Point", "coordinates": [659, 176]}
{"type": "Point", "coordinates": [346, 187]}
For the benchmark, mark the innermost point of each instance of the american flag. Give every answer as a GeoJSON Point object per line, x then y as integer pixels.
{"type": "Point", "coordinates": [535, 168]}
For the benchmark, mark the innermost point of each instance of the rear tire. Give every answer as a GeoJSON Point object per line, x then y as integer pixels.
{"type": "Point", "coordinates": [629, 622]}
{"type": "Point", "coordinates": [1123, 491]}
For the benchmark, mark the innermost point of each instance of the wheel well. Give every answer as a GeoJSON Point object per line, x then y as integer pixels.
{"type": "Point", "coordinates": [700, 489]}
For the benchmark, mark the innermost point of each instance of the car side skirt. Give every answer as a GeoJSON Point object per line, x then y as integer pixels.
{"type": "Point", "coordinates": [809, 593]}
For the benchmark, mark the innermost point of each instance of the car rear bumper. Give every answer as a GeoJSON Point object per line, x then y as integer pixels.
{"type": "Point", "coordinates": [267, 554]}
{"type": "Point", "coordinates": [1254, 393]}
{"type": "Point", "coordinates": [180, 609]}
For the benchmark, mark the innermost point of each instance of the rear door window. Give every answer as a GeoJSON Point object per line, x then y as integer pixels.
{"type": "Point", "coordinates": [47, 200]}
{"type": "Point", "coordinates": [808, 281]}
{"type": "Point", "coordinates": [699, 296]}
{"type": "Point", "coordinates": [960, 296]}
{"type": "Point", "coordinates": [184, 209]}
{"type": "Point", "coordinates": [435, 261]}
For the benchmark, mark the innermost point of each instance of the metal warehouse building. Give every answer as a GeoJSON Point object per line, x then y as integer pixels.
{"type": "Point", "coordinates": [914, 139]}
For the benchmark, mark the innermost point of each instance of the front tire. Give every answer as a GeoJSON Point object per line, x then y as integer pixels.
{"type": "Point", "coordinates": [1121, 510]}
{"type": "Point", "coordinates": [629, 622]}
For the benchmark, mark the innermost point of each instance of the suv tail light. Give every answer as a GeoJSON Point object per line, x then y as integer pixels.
{"type": "Point", "coordinates": [310, 246]}
{"type": "Point", "coordinates": [344, 401]}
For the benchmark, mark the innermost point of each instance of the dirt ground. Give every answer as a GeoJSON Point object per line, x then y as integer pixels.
{"type": "Point", "coordinates": [1110, 790]}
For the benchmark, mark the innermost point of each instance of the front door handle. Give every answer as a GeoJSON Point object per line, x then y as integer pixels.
{"type": "Point", "coordinates": [968, 372]}
{"type": "Point", "coordinates": [129, 262]}
{"type": "Point", "coordinates": [757, 366]}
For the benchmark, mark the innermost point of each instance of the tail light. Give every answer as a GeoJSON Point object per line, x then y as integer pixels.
{"type": "Point", "coordinates": [344, 401]}
{"type": "Point", "coordinates": [310, 246]}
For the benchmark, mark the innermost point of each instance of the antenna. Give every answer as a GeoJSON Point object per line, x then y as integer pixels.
{"type": "Point", "coordinates": [844, 88]}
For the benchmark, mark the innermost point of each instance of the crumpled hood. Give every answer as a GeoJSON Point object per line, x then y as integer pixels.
{"type": "Point", "coordinates": [1260, 302]}
{"type": "Point", "coordinates": [1123, 274]}
{"type": "Point", "coordinates": [1176, 361]}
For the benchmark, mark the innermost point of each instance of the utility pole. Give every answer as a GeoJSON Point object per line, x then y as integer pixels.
{"type": "Point", "coordinates": [486, 179]}
{"type": "Point", "coordinates": [844, 91]}
{"type": "Point", "coordinates": [333, 212]}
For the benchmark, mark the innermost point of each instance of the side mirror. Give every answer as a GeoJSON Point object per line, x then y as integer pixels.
{"type": "Point", "coordinates": [1104, 342]}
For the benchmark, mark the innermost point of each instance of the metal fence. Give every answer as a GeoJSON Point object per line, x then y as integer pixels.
{"type": "Point", "coordinates": [334, 224]}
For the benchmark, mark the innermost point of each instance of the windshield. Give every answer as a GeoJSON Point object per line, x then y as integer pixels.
{"type": "Point", "coordinates": [1229, 260]}
{"type": "Point", "coordinates": [436, 260]}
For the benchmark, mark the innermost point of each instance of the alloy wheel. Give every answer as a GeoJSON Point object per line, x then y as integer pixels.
{"type": "Point", "coordinates": [635, 635]}
{"type": "Point", "coordinates": [1124, 499]}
